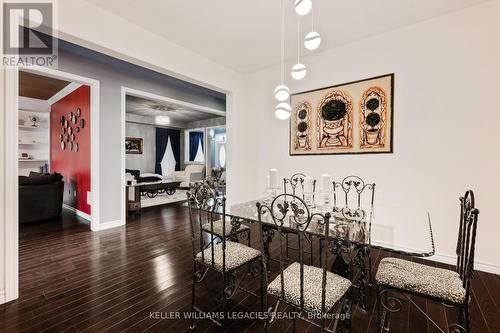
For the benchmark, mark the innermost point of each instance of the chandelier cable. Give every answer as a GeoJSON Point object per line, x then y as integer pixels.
{"type": "Point", "coordinates": [298, 41]}
{"type": "Point", "coordinates": [282, 41]}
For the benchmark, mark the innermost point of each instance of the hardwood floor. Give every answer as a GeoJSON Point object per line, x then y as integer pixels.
{"type": "Point", "coordinates": [116, 280]}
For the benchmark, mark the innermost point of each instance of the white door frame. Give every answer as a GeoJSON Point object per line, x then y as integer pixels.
{"type": "Point", "coordinates": [12, 171]}
{"type": "Point", "coordinates": [144, 94]}
{"type": "Point", "coordinates": [207, 143]}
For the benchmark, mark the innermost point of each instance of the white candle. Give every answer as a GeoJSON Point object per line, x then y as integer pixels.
{"type": "Point", "coordinates": [273, 178]}
{"type": "Point", "coordinates": [268, 182]}
{"type": "Point", "coordinates": [326, 182]}
{"type": "Point", "coordinates": [308, 188]}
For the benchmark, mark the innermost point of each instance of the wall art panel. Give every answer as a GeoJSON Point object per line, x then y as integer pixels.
{"type": "Point", "coordinates": [351, 118]}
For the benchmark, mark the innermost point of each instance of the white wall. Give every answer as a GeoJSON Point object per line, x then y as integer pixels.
{"type": "Point", "coordinates": [446, 117]}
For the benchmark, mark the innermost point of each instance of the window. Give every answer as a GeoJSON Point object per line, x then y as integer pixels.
{"type": "Point", "coordinates": [195, 145]}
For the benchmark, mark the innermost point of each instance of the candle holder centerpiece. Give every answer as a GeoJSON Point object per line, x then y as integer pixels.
{"type": "Point", "coordinates": [272, 186]}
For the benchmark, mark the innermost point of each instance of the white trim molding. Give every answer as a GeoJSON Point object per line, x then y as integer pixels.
{"type": "Point", "coordinates": [123, 182]}
{"type": "Point", "coordinates": [443, 258]}
{"type": "Point", "coordinates": [78, 212]}
{"type": "Point", "coordinates": [11, 291]}
{"type": "Point", "coordinates": [2, 297]}
{"type": "Point", "coordinates": [64, 92]}
{"type": "Point", "coordinates": [11, 165]}
{"type": "Point", "coordinates": [109, 225]}
{"type": "Point", "coordinates": [478, 265]}
{"type": "Point", "coordinates": [159, 98]}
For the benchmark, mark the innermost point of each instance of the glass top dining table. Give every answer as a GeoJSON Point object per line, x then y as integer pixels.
{"type": "Point", "coordinates": [395, 228]}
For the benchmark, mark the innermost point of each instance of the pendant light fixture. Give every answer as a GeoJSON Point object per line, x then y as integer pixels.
{"type": "Point", "coordinates": [282, 93]}
{"type": "Point", "coordinates": [299, 70]}
{"type": "Point", "coordinates": [162, 120]}
{"type": "Point", "coordinates": [283, 111]}
{"type": "Point", "coordinates": [312, 39]}
{"type": "Point", "coordinates": [303, 7]}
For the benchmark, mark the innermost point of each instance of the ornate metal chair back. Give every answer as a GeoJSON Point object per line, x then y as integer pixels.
{"type": "Point", "coordinates": [467, 240]}
{"type": "Point", "coordinates": [353, 198]}
{"type": "Point", "coordinates": [295, 185]}
{"type": "Point", "coordinates": [290, 212]}
{"type": "Point", "coordinates": [205, 207]}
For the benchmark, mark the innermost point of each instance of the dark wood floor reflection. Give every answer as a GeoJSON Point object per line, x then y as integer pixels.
{"type": "Point", "coordinates": [77, 281]}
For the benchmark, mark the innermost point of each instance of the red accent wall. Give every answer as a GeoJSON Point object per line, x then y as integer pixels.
{"type": "Point", "coordinates": [74, 166]}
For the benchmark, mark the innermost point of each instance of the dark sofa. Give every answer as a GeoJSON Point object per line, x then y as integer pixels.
{"type": "Point", "coordinates": [40, 197]}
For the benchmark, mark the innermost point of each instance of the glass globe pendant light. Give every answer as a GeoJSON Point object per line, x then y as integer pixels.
{"type": "Point", "coordinates": [283, 111]}
{"type": "Point", "coordinates": [299, 70]}
{"type": "Point", "coordinates": [312, 39]}
{"type": "Point", "coordinates": [303, 7]}
{"type": "Point", "coordinates": [281, 92]}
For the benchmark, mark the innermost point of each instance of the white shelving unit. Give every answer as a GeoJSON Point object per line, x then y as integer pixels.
{"type": "Point", "coordinates": [33, 140]}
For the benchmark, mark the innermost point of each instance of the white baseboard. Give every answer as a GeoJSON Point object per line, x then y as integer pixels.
{"type": "Point", "coordinates": [109, 225]}
{"type": "Point", "coordinates": [478, 265]}
{"type": "Point", "coordinates": [446, 258]}
{"type": "Point", "coordinates": [2, 296]}
{"type": "Point", "coordinates": [78, 212]}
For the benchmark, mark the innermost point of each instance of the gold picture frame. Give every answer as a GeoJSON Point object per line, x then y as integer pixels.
{"type": "Point", "coordinates": [133, 145]}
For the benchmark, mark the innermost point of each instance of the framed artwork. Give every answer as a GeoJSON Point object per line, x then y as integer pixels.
{"type": "Point", "coordinates": [350, 118]}
{"type": "Point", "coordinates": [133, 145]}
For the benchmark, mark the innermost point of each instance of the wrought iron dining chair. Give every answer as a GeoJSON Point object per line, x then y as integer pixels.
{"type": "Point", "coordinates": [449, 287]}
{"type": "Point", "coordinates": [225, 257]}
{"type": "Point", "coordinates": [353, 200]}
{"type": "Point", "coordinates": [233, 230]}
{"type": "Point", "coordinates": [313, 290]}
{"type": "Point", "coordinates": [295, 186]}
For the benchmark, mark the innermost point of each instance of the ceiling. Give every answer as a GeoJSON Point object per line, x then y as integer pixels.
{"type": "Point", "coordinates": [151, 108]}
{"type": "Point", "coordinates": [40, 87]}
{"type": "Point", "coordinates": [245, 35]}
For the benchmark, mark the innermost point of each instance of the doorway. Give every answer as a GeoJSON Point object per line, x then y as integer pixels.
{"type": "Point", "coordinates": [172, 139]}
{"type": "Point", "coordinates": [30, 152]}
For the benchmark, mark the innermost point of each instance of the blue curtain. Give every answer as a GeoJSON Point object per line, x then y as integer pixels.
{"type": "Point", "coordinates": [161, 145]}
{"type": "Point", "coordinates": [194, 141]}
